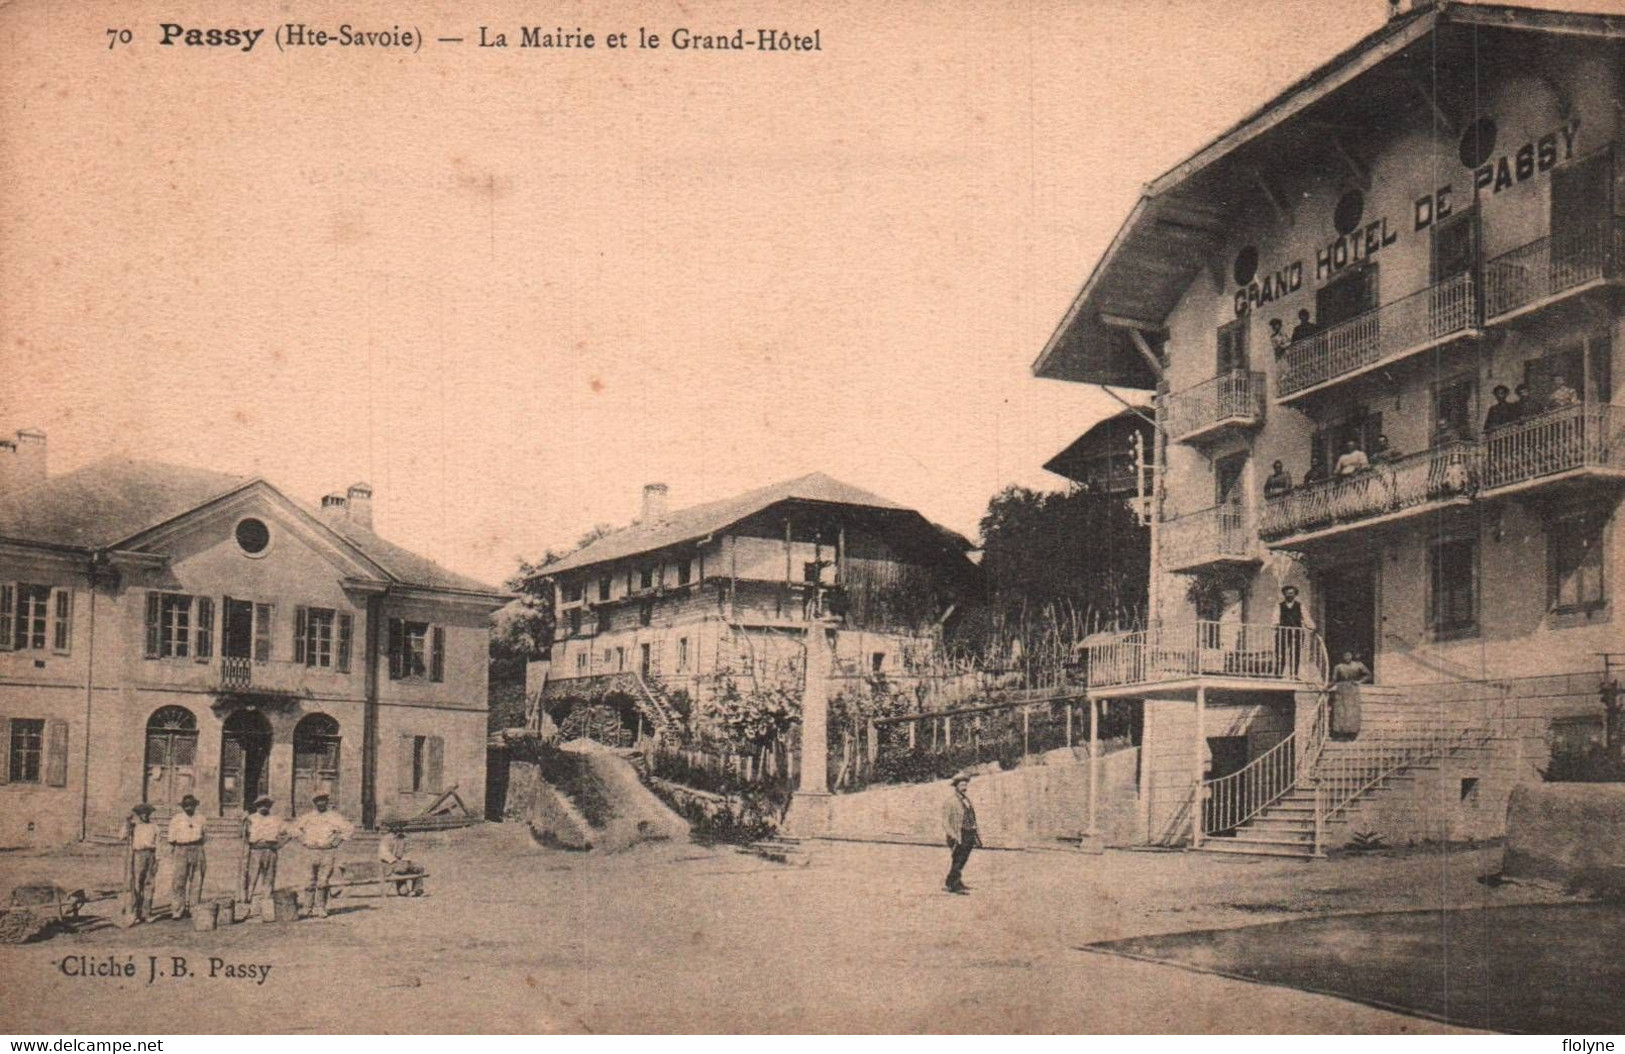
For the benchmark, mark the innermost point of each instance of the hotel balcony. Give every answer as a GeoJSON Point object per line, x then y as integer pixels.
{"type": "Point", "coordinates": [1388, 491]}
{"type": "Point", "coordinates": [1215, 408]}
{"type": "Point", "coordinates": [1429, 318]}
{"type": "Point", "coordinates": [241, 675]}
{"type": "Point", "coordinates": [1212, 537]}
{"type": "Point", "coordinates": [1174, 659]}
{"type": "Point", "coordinates": [1583, 442]}
{"type": "Point", "coordinates": [1552, 269]}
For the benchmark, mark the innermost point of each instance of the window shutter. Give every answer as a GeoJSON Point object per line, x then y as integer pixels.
{"type": "Point", "coordinates": [300, 655]}
{"type": "Point", "coordinates": [346, 635]}
{"type": "Point", "coordinates": [61, 620]}
{"type": "Point", "coordinates": [397, 644]}
{"type": "Point", "coordinates": [437, 654]}
{"type": "Point", "coordinates": [5, 749]}
{"type": "Point", "coordinates": [153, 598]}
{"type": "Point", "coordinates": [204, 651]}
{"type": "Point", "coordinates": [403, 765]}
{"type": "Point", "coordinates": [56, 753]}
{"type": "Point", "coordinates": [262, 632]}
{"type": "Point", "coordinates": [8, 600]}
{"type": "Point", "coordinates": [434, 751]}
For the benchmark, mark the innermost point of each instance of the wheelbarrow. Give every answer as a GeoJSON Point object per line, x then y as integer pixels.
{"type": "Point", "coordinates": [38, 907]}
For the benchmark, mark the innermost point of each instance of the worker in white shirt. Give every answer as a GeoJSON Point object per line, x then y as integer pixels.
{"type": "Point", "coordinates": [190, 860]}
{"type": "Point", "coordinates": [143, 835]}
{"type": "Point", "coordinates": [263, 835]}
{"type": "Point", "coordinates": [393, 860]}
{"type": "Point", "coordinates": [321, 833]}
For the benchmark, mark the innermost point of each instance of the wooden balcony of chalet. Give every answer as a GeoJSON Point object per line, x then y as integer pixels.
{"type": "Point", "coordinates": [1174, 659]}
{"type": "Point", "coordinates": [1211, 537]}
{"type": "Point", "coordinates": [1216, 408]}
{"type": "Point", "coordinates": [1552, 269]}
{"type": "Point", "coordinates": [1437, 315]}
{"type": "Point", "coordinates": [1578, 443]}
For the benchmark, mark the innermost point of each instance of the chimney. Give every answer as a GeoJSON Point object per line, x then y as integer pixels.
{"type": "Point", "coordinates": [359, 503]}
{"type": "Point", "coordinates": [654, 503]}
{"type": "Point", "coordinates": [333, 506]}
{"type": "Point", "coordinates": [22, 460]}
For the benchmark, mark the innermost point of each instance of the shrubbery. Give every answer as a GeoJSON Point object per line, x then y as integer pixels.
{"type": "Point", "coordinates": [1593, 763]}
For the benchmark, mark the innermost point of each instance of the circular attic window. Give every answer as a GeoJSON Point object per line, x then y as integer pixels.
{"type": "Point", "coordinates": [253, 537]}
{"type": "Point", "coordinates": [1350, 209]}
{"type": "Point", "coordinates": [1478, 142]}
{"type": "Point", "coordinates": [1246, 265]}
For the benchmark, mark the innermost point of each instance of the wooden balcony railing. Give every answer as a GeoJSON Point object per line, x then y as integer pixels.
{"type": "Point", "coordinates": [1212, 535]}
{"type": "Point", "coordinates": [1234, 396]}
{"type": "Point", "coordinates": [1174, 651]}
{"type": "Point", "coordinates": [1585, 435]}
{"type": "Point", "coordinates": [1550, 266]}
{"type": "Point", "coordinates": [1391, 331]}
{"type": "Point", "coordinates": [1446, 472]}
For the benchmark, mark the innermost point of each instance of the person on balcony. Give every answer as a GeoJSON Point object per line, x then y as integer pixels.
{"type": "Point", "coordinates": [1305, 328]}
{"type": "Point", "coordinates": [1502, 413]}
{"type": "Point", "coordinates": [1278, 483]}
{"type": "Point", "coordinates": [1383, 451]}
{"type": "Point", "coordinates": [1292, 621]}
{"type": "Point", "coordinates": [1562, 395]}
{"type": "Point", "coordinates": [1278, 337]}
{"type": "Point", "coordinates": [1351, 461]}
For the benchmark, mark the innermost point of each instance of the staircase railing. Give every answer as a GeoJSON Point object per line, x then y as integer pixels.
{"type": "Point", "coordinates": [1232, 800]}
{"type": "Point", "coordinates": [660, 711]}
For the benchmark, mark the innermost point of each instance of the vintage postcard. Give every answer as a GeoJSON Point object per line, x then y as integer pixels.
{"type": "Point", "coordinates": [771, 516]}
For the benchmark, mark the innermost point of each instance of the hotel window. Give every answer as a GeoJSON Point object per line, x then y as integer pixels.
{"type": "Point", "coordinates": [646, 578]}
{"type": "Point", "coordinates": [682, 653]}
{"type": "Point", "coordinates": [1232, 346]}
{"type": "Point", "coordinates": [169, 625]}
{"type": "Point", "coordinates": [35, 617]}
{"type": "Point", "coordinates": [1576, 545]}
{"type": "Point", "coordinates": [1454, 410]}
{"type": "Point", "coordinates": [685, 572]}
{"type": "Point", "coordinates": [572, 620]}
{"type": "Point", "coordinates": [317, 634]}
{"type": "Point", "coordinates": [36, 751]}
{"type": "Point", "coordinates": [1351, 294]}
{"type": "Point", "coordinates": [1455, 245]}
{"type": "Point", "coordinates": [572, 593]}
{"type": "Point", "coordinates": [581, 663]}
{"type": "Point", "coordinates": [603, 588]}
{"type": "Point", "coordinates": [1453, 588]}
{"type": "Point", "coordinates": [646, 613]}
{"type": "Point", "coordinates": [416, 651]}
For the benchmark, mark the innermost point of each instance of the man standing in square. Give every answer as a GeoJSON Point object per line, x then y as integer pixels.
{"type": "Point", "coordinates": [959, 823]}
{"type": "Point", "coordinates": [321, 833]}
{"type": "Point", "coordinates": [190, 858]}
{"type": "Point", "coordinates": [263, 835]}
{"type": "Point", "coordinates": [143, 861]}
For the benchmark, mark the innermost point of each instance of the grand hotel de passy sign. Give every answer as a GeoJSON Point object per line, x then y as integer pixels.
{"type": "Point", "coordinates": [1357, 242]}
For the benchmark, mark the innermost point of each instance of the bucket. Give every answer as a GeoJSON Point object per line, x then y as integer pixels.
{"type": "Point", "coordinates": [285, 902]}
{"type": "Point", "coordinates": [226, 911]}
{"type": "Point", "coordinates": [204, 915]}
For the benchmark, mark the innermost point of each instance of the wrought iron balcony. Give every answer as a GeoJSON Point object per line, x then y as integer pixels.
{"type": "Point", "coordinates": [1583, 439]}
{"type": "Point", "coordinates": [1426, 319]}
{"type": "Point", "coordinates": [1198, 650]}
{"type": "Point", "coordinates": [243, 675]}
{"type": "Point", "coordinates": [1217, 535]}
{"type": "Point", "coordinates": [1208, 410]}
{"type": "Point", "coordinates": [1547, 269]}
{"type": "Point", "coordinates": [1388, 490]}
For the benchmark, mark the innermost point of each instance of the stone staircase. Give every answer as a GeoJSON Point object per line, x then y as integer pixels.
{"type": "Point", "coordinates": [1398, 744]}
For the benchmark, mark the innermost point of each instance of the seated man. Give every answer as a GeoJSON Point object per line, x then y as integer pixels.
{"type": "Point", "coordinates": [1351, 460]}
{"type": "Point", "coordinates": [1278, 482]}
{"type": "Point", "coordinates": [392, 857]}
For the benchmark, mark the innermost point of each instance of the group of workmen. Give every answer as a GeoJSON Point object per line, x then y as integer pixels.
{"type": "Point", "coordinates": [320, 832]}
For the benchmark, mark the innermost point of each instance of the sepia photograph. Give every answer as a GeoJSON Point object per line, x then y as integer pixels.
{"type": "Point", "coordinates": [784, 517]}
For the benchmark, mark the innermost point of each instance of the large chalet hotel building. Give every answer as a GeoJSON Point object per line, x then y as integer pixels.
{"type": "Point", "coordinates": [167, 630]}
{"type": "Point", "coordinates": [1400, 282]}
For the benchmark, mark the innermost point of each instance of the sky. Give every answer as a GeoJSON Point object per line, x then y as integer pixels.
{"type": "Point", "coordinates": [510, 286]}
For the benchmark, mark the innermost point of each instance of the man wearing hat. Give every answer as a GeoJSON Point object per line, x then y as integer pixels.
{"type": "Point", "coordinates": [263, 835]}
{"type": "Point", "coordinates": [959, 823]}
{"type": "Point", "coordinates": [143, 834]}
{"type": "Point", "coordinates": [321, 833]}
{"type": "Point", "coordinates": [190, 860]}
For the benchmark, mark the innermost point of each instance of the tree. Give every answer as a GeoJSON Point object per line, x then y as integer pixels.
{"type": "Point", "coordinates": [1062, 564]}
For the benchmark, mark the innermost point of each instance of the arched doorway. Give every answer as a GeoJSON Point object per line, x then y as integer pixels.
{"type": "Point", "coordinates": [315, 760]}
{"type": "Point", "coordinates": [171, 757]}
{"type": "Point", "coordinates": [245, 754]}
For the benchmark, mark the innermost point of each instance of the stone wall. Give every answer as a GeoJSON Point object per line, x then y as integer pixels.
{"type": "Point", "coordinates": [1569, 833]}
{"type": "Point", "coordinates": [1033, 805]}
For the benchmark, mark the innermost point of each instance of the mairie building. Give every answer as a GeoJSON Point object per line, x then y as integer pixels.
{"type": "Point", "coordinates": [1381, 316]}
{"type": "Point", "coordinates": [167, 630]}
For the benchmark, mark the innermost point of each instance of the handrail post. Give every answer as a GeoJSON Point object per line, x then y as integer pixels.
{"type": "Point", "coordinates": [1320, 820]}
{"type": "Point", "coordinates": [1196, 797]}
